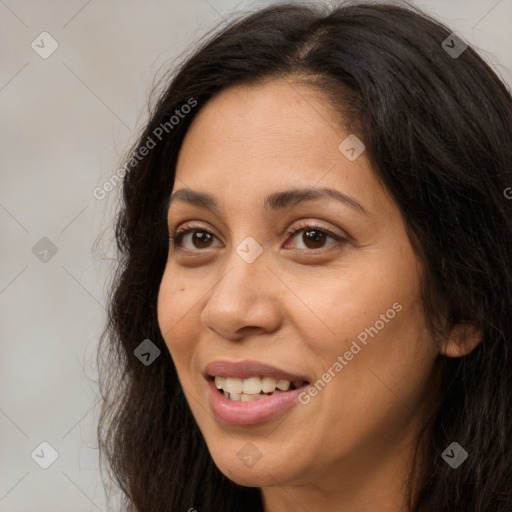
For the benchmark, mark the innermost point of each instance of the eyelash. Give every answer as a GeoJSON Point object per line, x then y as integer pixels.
{"type": "Point", "coordinates": [175, 236]}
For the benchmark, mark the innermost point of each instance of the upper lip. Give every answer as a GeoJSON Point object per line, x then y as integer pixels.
{"type": "Point", "coordinates": [245, 369]}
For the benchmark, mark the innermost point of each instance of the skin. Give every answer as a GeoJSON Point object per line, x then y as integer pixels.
{"type": "Point", "coordinates": [300, 305]}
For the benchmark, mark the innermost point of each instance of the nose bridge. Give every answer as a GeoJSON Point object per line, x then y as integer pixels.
{"type": "Point", "coordinates": [245, 269]}
{"type": "Point", "coordinates": [242, 297]}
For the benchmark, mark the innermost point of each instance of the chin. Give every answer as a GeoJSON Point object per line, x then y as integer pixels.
{"type": "Point", "coordinates": [255, 473]}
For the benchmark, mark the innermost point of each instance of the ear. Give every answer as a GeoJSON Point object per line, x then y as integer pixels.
{"type": "Point", "coordinates": [461, 340]}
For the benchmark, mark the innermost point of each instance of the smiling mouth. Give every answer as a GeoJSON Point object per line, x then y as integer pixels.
{"type": "Point", "coordinates": [253, 388]}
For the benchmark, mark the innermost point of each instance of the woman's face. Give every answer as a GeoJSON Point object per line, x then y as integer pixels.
{"type": "Point", "coordinates": [341, 311]}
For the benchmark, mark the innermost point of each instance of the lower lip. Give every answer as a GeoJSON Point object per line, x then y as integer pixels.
{"type": "Point", "coordinates": [250, 413]}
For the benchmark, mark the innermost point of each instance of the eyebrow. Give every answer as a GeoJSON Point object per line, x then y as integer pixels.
{"type": "Point", "coordinates": [275, 201]}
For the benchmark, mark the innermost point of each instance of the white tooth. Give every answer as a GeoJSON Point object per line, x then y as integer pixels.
{"type": "Point", "coordinates": [248, 398]}
{"type": "Point", "coordinates": [268, 384]}
{"type": "Point", "coordinates": [235, 397]}
{"type": "Point", "coordinates": [219, 382]}
{"type": "Point", "coordinates": [233, 385]}
{"type": "Point", "coordinates": [297, 384]}
{"type": "Point", "coordinates": [226, 394]}
{"type": "Point", "coordinates": [283, 385]}
{"type": "Point", "coordinates": [252, 385]}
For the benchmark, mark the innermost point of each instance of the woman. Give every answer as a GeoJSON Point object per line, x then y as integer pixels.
{"type": "Point", "coordinates": [312, 309]}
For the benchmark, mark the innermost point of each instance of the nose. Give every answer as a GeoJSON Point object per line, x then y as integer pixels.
{"type": "Point", "coordinates": [245, 299]}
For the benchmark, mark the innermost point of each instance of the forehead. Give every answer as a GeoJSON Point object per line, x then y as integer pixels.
{"type": "Point", "coordinates": [278, 121]}
{"type": "Point", "coordinates": [252, 140]}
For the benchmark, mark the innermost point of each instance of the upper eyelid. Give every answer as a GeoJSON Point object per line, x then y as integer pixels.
{"type": "Point", "coordinates": [301, 224]}
{"type": "Point", "coordinates": [187, 228]}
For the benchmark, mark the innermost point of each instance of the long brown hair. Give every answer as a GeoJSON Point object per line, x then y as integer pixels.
{"type": "Point", "coordinates": [438, 131]}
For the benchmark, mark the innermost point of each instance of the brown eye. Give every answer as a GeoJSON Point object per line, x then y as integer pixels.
{"type": "Point", "coordinates": [313, 238]}
{"type": "Point", "coordinates": [200, 238]}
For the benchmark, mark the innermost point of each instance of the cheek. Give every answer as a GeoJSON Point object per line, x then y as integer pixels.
{"type": "Point", "coordinates": [373, 319]}
{"type": "Point", "coordinates": [383, 381]}
{"type": "Point", "coordinates": [339, 308]}
{"type": "Point", "coordinates": [175, 307]}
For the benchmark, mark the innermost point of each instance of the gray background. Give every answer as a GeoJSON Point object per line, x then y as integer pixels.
{"type": "Point", "coordinates": [65, 122]}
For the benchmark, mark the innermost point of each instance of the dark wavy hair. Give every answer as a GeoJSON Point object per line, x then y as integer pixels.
{"type": "Point", "coordinates": [438, 134]}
